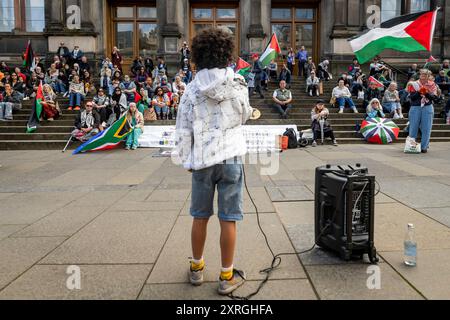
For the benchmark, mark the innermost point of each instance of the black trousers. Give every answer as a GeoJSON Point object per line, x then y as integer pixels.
{"type": "Point", "coordinates": [327, 134]}
{"type": "Point", "coordinates": [257, 88]}
{"type": "Point", "coordinates": [314, 88]}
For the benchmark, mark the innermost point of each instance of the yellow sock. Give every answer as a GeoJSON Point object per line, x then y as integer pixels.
{"type": "Point", "coordinates": [226, 274]}
{"type": "Point", "coordinates": [197, 265]}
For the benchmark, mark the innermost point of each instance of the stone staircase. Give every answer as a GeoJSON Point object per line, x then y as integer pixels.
{"type": "Point", "coordinates": [54, 135]}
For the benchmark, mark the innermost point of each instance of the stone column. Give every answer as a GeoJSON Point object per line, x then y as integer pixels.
{"type": "Point", "coordinates": [256, 34]}
{"type": "Point", "coordinates": [353, 13]}
{"type": "Point", "coordinates": [86, 20]}
{"type": "Point", "coordinates": [340, 14]}
{"type": "Point", "coordinates": [54, 15]}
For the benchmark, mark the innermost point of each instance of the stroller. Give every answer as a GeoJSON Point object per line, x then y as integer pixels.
{"type": "Point", "coordinates": [306, 138]}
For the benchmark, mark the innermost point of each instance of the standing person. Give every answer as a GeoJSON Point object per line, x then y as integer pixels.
{"type": "Point", "coordinates": [291, 60]}
{"type": "Point", "coordinates": [185, 53]}
{"type": "Point", "coordinates": [285, 75]}
{"type": "Point", "coordinates": [116, 58]}
{"type": "Point", "coordinates": [257, 71]}
{"type": "Point", "coordinates": [75, 56]}
{"type": "Point", "coordinates": [421, 114]}
{"type": "Point", "coordinates": [136, 119]}
{"type": "Point", "coordinates": [210, 143]}
{"type": "Point", "coordinates": [302, 56]}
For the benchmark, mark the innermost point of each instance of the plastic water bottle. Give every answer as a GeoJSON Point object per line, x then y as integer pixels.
{"type": "Point", "coordinates": [410, 247]}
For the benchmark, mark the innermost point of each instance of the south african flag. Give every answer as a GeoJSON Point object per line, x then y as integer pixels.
{"type": "Point", "coordinates": [108, 139]}
{"type": "Point", "coordinates": [379, 130]}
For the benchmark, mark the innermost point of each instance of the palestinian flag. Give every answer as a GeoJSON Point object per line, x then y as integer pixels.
{"type": "Point", "coordinates": [242, 67]}
{"type": "Point", "coordinates": [408, 33]}
{"type": "Point", "coordinates": [272, 51]}
{"type": "Point", "coordinates": [137, 97]}
{"type": "Point", "coordinates": [373, 80]}
{"type": "Point", "coordinates": [108, 139]}
{"type": "Point", "coordinates": [33, 122]}
{"type": "Point", "coordinates": [29, 59]}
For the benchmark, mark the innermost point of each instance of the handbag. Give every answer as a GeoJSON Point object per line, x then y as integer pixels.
{"type": "Point", "coordinates": [412, 147]}
{"type": "Point", "coordinates": [149, 114]}
{"type": "Point", "coordinates": [333, 100]}
{"type": "Point", "coordinates": [321, 88]}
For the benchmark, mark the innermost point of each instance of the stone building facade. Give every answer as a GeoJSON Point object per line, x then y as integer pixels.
{"type": "Point", "coordinates": [158, 28]}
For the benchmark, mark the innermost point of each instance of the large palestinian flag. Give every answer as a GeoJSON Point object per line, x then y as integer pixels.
{"type": "Point", "coordinates": [108, 139]}
{"type": "Point", "coordinates": [272, 51]}
{"type": "Point", "coordinates": [408, 33]}
{"type": "Point", "coordinates": [33, 122]}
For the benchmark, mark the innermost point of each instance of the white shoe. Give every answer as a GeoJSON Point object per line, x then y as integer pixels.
{"type": "Point", "coordinates": [26, 98]}
{"type": "Point", "coordinates": [341, 111]}
{"type": "Point", "coordinates": [314, 144]}
{"type": "Point", "coordinates": [355, 110]}
{"type": "Point", "coordinates": [310, 93]}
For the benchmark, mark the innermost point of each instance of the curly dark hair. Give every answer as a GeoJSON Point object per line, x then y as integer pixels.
{"type": "Point", "coordinates": [212, 48]}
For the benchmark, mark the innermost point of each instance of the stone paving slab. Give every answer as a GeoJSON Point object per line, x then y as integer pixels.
{"type": "Point", "coordinates": [430, 276]}
{"type": "Point", "coordinates": [19, 254]}
{"type": "Point", "coordinates": [440, 214]}
{"type": "Point", "coordinates": [417, 192]}
{"type": "Point", "coordinates": [80, 177]}
{"type": "Point", "coordinates": [294, 289]}
{"type": "Point", "coordinates": [26, 208]}
{"type": "Point", "coordinates": [117, 237]}
{"type": "Point", "coordinates": [252, 254]}
{"type": "Point", "coordinates": [98, 282]}
{"type": "Point", "coordinates": [344, 282]}
{"type": "Point", "coordinates": [64, 222]}
{"type": "Point", "coordinates": [8, 229]}
{"type": "Point", "coordinates": [100, 198]}
{"type": "Point", "coordinates": [289, 193]}
{"type": "Point", "coordinates": [391, 222]}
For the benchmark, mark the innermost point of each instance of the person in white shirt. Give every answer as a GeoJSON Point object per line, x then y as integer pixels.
{"type": "Point", "coordinates": [343, 97]}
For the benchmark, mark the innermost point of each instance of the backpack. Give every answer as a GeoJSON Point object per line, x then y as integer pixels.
{"type": "Point", "coordinates": [292, 138]}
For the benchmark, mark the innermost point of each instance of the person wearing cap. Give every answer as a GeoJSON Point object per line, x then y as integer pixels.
{"type": "Point", "coordinates": [87, 123]}
{"type": "Point", "coordinates": [312, 84]}
{"type": "Point", "coordinates": [63, 51]}
{"type": "Point", "coordinates": [283, 99]}
{"type": "Point", "coordinates": [320, 114]}
{"type": "Point", "coordinates": [257, 71]}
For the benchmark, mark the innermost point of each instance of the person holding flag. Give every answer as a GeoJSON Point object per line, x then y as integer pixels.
{"type": "Point", "coordinates": [257, 70]}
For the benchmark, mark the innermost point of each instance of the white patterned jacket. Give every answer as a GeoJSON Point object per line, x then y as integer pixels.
{"type": "Point", "coordinates": [210, 116]}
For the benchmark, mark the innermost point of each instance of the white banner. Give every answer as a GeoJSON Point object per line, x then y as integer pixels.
{"type": "Point", "coordinates": [259, 138]}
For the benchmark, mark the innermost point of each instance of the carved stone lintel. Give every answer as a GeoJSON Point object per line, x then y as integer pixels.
{"type": "Point", "coordinates": [256, 31]}
{"type": "Point", "coordinates": [170, 30]}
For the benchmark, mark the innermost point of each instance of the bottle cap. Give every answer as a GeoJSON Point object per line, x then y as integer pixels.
{"type": "Point", "coordinates": [410, 225]}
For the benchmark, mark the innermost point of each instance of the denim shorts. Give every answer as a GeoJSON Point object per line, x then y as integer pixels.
{"type": "Point", "coordinates": [229, 181]}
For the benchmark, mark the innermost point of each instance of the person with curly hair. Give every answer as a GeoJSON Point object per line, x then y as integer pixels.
{"type": "Point", "coordinates": [210, 144]}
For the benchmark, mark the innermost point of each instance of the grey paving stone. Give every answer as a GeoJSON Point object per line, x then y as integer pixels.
{"type": "Point", "coordinates": [26, 208]}
{"type": "Point", "coordinates": [294, 289]}
{"type": "Point", "coordinates": [347, 282]}
{"type": "Point", "coordinates": [440, 214]}
{"type": "Point", "coordinates": [64, 222]}
{"type": "Point", "coordinates": [417, 192]}
{"type": "Point", "coordinates": [289, 193]}
{"type": "Point", "coordinates": [9, 229]}
{"type": "Point", "coordinates": [391, 220]}
{"type": "Point", "coordinates": [99, 282]}
{"type": "Point", "coordinates": [252, 254]}
{"type": "Point", "coordinates": [117, 237]}
{"type": "Point", "coordinates": [430, 276]}
{"type": "Point", "coordinates": [100, 198]}
{"type": "Point", "coordinates": [19, 254]}
{"type": "Point", "coordinates": [149, 206]}
{"type": "Point", "coordinates": [168, 195]}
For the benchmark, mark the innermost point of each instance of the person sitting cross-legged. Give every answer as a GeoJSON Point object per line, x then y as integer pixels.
{"type": "Point", "coordinates": [136, 119]}
{"type": "Point", "coordinates": [76, 93]}
{"type": "Point", "coordinates": [283, 99]}
{"type": "Point", "coordinates": [343, 97]}
{"type": "Point", "coordinates": [87, 123]}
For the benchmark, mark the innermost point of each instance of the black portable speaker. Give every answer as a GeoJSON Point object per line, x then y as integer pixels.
{"type": "Point", "coordinates": [344, 211]}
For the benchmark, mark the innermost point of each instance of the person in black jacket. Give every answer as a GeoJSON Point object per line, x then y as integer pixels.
{"type": "Point", "coordinates": [63, 52]}
{"type": "Point", "coordinates": [285, 75]}
{"type": "Point", "coordinates": [87, 123]}
{"type": "Point", "coordinates": [257, 71]}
